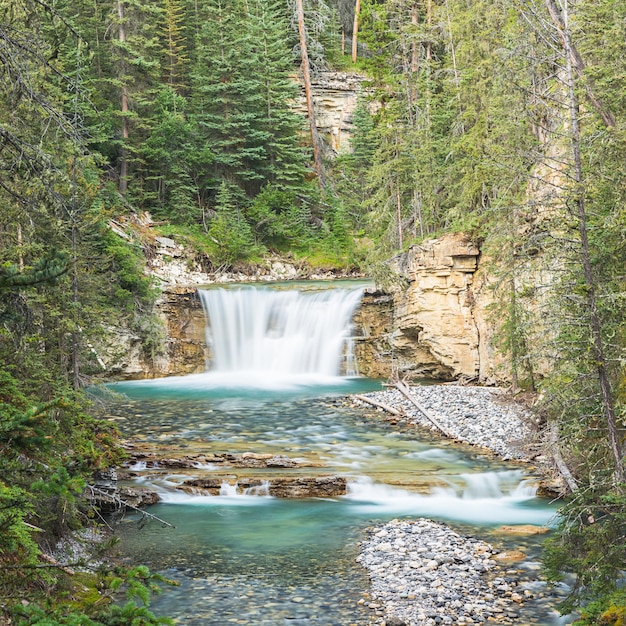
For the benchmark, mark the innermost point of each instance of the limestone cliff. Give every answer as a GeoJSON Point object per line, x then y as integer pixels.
{"type": "Point", "coordinates": [335, 97]}
{"type": "Point", "coordinates": [373, 328]}
{"type": "Point", "coordinates": [441, 323]}
{"type": "Point", "coordinates": [181, 350]}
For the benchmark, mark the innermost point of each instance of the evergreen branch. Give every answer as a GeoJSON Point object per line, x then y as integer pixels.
{"type": "Point", "coordinates": [46, 270]}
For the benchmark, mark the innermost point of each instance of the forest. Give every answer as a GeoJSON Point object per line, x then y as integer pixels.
{"type": "Point", "coordinates": [503, 119]}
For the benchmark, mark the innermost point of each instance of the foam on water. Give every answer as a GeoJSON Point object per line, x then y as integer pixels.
{"type": "Point", "coordinates": [490, 485]}
{"type": "Point", "coordinates": [434, 454]}
{"type": "Point", "coordinates": [489, 498]}
{"type": "Point", "coordinates": [246, 386]}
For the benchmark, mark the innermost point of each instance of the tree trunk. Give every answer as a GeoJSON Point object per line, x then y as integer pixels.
{"type": "Point", "coordinates": [399, 216]}
{"type": "Point", "coordinates": [123, 185]}
{"type": "Point", "coordinates": [355, 29]}
{"type": "Point", "coordinates": [429, 21]}
{"type": "Point", "coordinates": [306, 75]}
{"type": "Point", "coordinates": [415, 63]}
{"type": "Point", "coordinates": [20, 247]}
{"type": "Point", "coordinates": [578, 63]}
{"type": "Point", "coordinates": [598, 352]}
{"type": "Point", "coordinates": [457, 80]}
{"type": "Point", "coordinates": [513, 338]}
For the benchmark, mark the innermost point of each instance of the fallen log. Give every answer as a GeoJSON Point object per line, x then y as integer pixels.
{"type": "Point", "coordinates": [553, 441]}
{"type": "Point", "coordinates": [380, 405]}
{"type": "Point", "coordinates": [404, 390]}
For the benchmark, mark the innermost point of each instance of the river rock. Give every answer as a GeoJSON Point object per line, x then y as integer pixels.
{"type": "Point", "coordinates": [438, 577]}
{"type": "Point", "coordinates": [247, 459]}
{"type": "Point", "coordinates": [480, 416]}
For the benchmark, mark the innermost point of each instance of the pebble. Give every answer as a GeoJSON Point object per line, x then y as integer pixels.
{"type": "Point", "coordinates": [415, 588]}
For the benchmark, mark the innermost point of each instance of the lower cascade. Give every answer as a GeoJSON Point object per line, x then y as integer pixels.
{"type": "Point", "coordinates": [271, 331]}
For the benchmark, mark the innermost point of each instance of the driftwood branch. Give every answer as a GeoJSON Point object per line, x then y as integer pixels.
{"type": "Point", "coordinates": [124, 503]}
{"type": "Point", "coordinates": [404, 390]}
{"type": "Point", "coordinates": [380, 405]}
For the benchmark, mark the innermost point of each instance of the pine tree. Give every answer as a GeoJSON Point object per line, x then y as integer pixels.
{"type": "Point", "coordinates": [284, 159]}
{"type": "Point", "coordinates": [222, 94]}
{"type": "Point", "coordinates": [135, 74]}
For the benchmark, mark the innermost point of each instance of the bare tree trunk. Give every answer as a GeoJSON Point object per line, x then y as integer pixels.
{"type": "Point", "coordinates": [457, 81]}
{"type": "Point", "coordinates": [417, 207]}
{"type": "Point", "coordinates": [598, 352]}
{"type": "Point", "coordinates": [513, 338]}
{"type": "Point", "coordinates": [578, 64]}
{"type": "Point", "coordinates": [74, 217]}
{"type": "Point", "coordinates": [306, 75]}
{"type": "Point", "coordinates": [415, 63]}
{"type": "Point", "coordinates": [355, 29]}
{"type": "Point", "coordinates": [429, 21]}
{"type": "Point", "coordinates": [553, 439]}
{"type": "Point", "coordinates": [123, 184]}
{"type": "Point", "coordinates": [19, 247]}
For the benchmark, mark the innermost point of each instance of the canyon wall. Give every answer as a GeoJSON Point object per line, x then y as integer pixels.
{"type": "Point", "coordinates": [434, 323]}
{"type": "Point", "coordinates": [335, 96]}
{"type": "Point", "coordinates": [180, 346]}
{"type": "Point", "coordinates": [442, 326]}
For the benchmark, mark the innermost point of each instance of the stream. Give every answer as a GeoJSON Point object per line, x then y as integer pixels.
{"type": "Point", "coordinates": [243, 557]}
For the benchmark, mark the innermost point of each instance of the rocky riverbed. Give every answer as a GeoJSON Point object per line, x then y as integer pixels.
{"type": "Point", "coordinates": [424, 573]}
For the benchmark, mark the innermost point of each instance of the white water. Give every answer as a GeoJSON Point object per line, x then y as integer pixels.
{"type": "Point", "coordinates": [258, 330]}
{"type": "Point", "coordinates": [500, 497]}
{"type": "Point", "coordinates": [485, 498]}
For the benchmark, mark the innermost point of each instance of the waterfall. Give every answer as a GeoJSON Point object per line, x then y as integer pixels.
{"type": "Point", "coordinates": [281, 332]}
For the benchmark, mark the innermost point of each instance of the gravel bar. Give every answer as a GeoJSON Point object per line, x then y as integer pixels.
{"type": "Point", "coordinates": [423, 573]}
{"type": "Point", "coordinates": [480, 416]}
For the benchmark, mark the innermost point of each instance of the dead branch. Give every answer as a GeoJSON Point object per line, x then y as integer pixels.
{"type": "Point", "coordinates": [123, 503]}
{"type": "Point", "coordinates": [553, 440]}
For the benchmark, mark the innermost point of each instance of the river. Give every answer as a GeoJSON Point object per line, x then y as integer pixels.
{"type": "Point", "coordinates": [249, 558]}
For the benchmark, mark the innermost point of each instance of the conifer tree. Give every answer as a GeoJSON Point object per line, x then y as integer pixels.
{"type": "Point", "coordinates": [175, 55]}
{"type": "Point", "coordinates": [135, 74]}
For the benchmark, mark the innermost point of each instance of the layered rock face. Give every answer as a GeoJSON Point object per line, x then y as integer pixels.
{"type": "Point", "coordinates": [335, 97]}
{"type": "Point", "coordinates": [373, 328]}
{"type": "Point", "coordinates": [182, 349]}
{"type": "Point", "coordinates": [441, 325]}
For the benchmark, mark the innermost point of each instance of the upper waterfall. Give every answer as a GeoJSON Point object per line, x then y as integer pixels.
{"type": "Point", "coordinates": [281, 332]}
